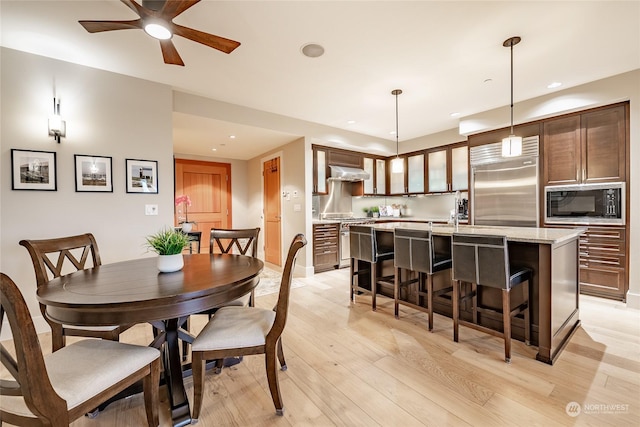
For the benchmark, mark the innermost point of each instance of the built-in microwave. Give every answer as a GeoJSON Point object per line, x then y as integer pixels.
{"type": "Point", "coordinates": [585, 204]}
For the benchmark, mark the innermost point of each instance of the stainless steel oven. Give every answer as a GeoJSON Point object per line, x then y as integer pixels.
{"type": "Point", "coordinates": [585, 204]}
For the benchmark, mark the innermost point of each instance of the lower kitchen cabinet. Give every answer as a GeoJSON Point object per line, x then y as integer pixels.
{"type": "Point", "coordinates": [326, 255]}
{"type": "Point", "coordinates": [603, 262]}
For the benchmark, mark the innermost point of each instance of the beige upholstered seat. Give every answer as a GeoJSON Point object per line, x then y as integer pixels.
{"type": "Point", "coordinates": [70, 254]}
{"type": "Point", "coordinates": [238, 331]}
{"type": "Point", "coordinates": [62, 386]}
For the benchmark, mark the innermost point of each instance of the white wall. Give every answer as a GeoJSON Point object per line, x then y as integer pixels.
{"type": "Point", "coordinates": [106, 114]}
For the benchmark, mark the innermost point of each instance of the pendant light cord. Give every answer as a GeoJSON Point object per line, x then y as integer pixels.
{"type": "Point", "coordinates": [397, 92]}
{"type": "Point", "coordinates": [511, 88]}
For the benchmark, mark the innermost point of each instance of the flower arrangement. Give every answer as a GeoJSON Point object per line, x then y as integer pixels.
{"type": "Point", "coordinates": [186, 201]}
{"type": "Point", "coordinates": [168, 241]}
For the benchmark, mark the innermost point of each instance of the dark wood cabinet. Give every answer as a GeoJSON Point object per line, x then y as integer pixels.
{"type": "Point", "coordinates": [326, 255]}
{"type": "Point", "coordinates": [338, 157]}
{"type": "Point", "coordinates": [376, 184]}
{"type": "Point", "coordinates": [448, 168]}
{"type": "Point", "coordinates": [603, 262]}
{"type": "Point", "coordinates": [585, 148]}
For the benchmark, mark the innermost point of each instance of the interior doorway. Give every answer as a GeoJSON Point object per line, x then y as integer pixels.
{"type": "Point", "coordinates": [208, 185]}
{"type": "Point", "coordinates": [272, 211]}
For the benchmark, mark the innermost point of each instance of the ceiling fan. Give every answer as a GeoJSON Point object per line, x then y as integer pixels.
{"type": "Point", "coordinates": [156, 19]}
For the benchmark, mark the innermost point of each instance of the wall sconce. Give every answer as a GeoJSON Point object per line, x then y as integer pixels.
{"type": "Point", "coordinates": [57, 126]}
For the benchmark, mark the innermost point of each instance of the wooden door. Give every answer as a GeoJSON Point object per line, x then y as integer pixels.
{"type": "Point", "coordinates": [272, 214]}
{"type": "Point", "coordinates": [208, 185]}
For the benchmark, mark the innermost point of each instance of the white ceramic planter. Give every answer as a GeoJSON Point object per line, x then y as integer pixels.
{"type": "Point", "coordinates": [170, 263]}
{"type": "Point", "coordinates": [187, 226]}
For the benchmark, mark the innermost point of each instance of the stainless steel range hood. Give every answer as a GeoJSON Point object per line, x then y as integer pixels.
{"type": "Point", "coordinates": [343, 173]}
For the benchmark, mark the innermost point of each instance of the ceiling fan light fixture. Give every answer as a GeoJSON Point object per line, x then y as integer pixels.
{"type": "Point", "coordinates": [157, 31]}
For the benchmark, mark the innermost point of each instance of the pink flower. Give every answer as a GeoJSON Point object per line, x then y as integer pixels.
{"type": "Point", "coordinates": [183, 199]}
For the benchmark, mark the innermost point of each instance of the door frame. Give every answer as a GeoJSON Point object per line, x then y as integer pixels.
{"type": "Point", "coordinates": [263, 160]}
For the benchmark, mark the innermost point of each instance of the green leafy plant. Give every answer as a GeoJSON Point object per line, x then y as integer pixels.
{"type": "Point", "coordinates": [167, 242]}
{"type": "Point", "coordinates": [375, 209]}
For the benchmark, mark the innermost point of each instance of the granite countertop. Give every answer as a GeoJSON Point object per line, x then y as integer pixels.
{"type": "Point", "coordinates": [514, 234]}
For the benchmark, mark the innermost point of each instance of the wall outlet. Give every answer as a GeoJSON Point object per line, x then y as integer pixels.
{"type": "Point", "coordinates": [151, 209]}
{"type": "Point", "coordinates": [297, 207]}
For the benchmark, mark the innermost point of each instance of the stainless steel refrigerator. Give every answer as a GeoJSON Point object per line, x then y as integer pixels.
{"type": "Point", "coordinates": [504, 190]}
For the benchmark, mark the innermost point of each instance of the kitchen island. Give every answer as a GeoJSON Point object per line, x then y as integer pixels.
{"type": "Point", "coordinates": [552, 254]}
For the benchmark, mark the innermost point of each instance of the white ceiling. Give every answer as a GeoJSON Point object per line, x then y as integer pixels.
{"type": "Point", "coordinates": [446, 56]}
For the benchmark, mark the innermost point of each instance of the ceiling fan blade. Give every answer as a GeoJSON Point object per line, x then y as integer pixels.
{"type": "Point", "coordinates": [98, 26]}
{"type": "Point", "coordinates": [173, 8]}
{"type": "Point", "coordinates": [141, 11]}
{"type": "Point", "coordinates": [216, 42]}
{"type": "Point", "coordinates": [170, 53]}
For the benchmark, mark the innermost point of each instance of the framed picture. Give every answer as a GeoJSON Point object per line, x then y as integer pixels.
{"type": "Point", "coordinates": [93, 174]}
{"type": "Point", "coordinates": [142, 176]}
{"type": "Point", "coordinates": [33, 170]}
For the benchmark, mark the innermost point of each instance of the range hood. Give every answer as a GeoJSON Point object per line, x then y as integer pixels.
{"type": "Point", "coordinates": [343, 173]}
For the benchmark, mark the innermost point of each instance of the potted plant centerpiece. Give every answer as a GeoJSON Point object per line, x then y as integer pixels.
{"type": "Point", "coordinates": [168, 243]}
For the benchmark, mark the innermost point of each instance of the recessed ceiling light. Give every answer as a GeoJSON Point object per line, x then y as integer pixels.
{"type": "Point", "coordinates": [312, 50]}
{"type": "Point", "coordinates": [554, 85]}
{"type": "Point", "coordinates": [214, 149]}
{"type": "Point", "coordinates": [488, 80]}
{"type": "Point", "coordinates": [232, 137]}
{"type": "Point", "coordinates": [350, 122]}
{"type": "Point", "coordinates": [455, 114]}
{"type": "Point", "coordinates": [393, 132]}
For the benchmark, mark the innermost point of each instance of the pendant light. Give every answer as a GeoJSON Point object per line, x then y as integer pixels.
{"type": "Point", "coordinates": [511, 145]}
{"type": "Point", "coordinates": [397, 164]}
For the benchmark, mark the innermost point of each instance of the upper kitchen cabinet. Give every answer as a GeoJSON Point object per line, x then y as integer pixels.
{"type": "Point", "coordinates": [586, 148]}
{"type": "Point", "coordinates": [336, 157]}
{"type": "Point", "coordinates": [397, 181]}
{"type": "Point", "coordinates": [376, 184]}
{"type": "Point", "coordinates": [320, 168]}
{"type": "Point", "coordinates": [415, 173]}
{"type": "Point", "coordinates": [448, 168]}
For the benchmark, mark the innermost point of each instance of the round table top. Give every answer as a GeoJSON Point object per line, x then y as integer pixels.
{"type": "Point", "coordinates": [135, 291]}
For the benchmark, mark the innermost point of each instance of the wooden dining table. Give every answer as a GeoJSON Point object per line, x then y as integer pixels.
{"type": "Point", "coordinates": [134, 291]}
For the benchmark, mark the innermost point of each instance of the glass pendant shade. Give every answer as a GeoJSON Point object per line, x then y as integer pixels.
{"type": "Point", "coordinates": [512, 146]}
{"type": "Point", "coordinates": [397, 165]}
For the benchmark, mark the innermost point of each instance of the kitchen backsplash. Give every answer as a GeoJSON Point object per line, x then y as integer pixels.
{"type": "Point", "coordinates": [427, 206]}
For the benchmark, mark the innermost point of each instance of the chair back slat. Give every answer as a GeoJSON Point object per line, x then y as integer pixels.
{"type": "Point", "coordinates": [480, 259]}
{"type": "Point", "coordinates": [243, 240]}
{"type": "Point", "coordinates": [282, 306]}
{"type": "Point", "coordinates": [52, 257]}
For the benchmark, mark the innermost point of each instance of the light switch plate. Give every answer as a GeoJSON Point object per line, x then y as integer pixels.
{"type": "Point", "coordinates": [151, 209]}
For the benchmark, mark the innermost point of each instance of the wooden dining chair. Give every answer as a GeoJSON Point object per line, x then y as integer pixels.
{"type": "Point", "coordinates": [239, 241]}
{"type": "Point", "coordinates": [238, 331]}
{"type": "Point", "coordinates": [58, 388]}
{"type": "Point", "coordinates": [60, 256]}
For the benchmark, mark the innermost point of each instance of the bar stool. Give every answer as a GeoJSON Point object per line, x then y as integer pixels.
{"type": "Point", "coordinates": [363, 246]}
{"type": "Point", "coordinates": [414, 251]}
{"type": "Point", "coordinates": [483, 260]}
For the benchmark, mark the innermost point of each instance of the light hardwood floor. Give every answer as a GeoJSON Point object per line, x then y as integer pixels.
{"type": "Point", "coordinates": [349, 366]}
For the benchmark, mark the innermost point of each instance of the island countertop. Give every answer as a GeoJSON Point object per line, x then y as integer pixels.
{"type": "Point", "coordinates": [550, 236]}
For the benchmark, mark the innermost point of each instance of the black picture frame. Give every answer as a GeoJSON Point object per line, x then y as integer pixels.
{"type": "Point", "coordinates": [94, 174]}
{"type": "Point", "coordinates": [33, 170]}
{"type": "Point", "coordinates": [142, 176]}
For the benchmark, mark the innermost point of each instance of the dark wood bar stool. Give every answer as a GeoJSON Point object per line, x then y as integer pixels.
{"type": "Point", "coordinates": [364, 248]}
{"type": "Point", "coordinates": [414, 252]}
{"type": "Point", "coordinates": [484, 261]}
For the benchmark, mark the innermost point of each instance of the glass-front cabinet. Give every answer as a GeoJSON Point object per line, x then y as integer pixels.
{"type": "Point", "coordinates": [415, 173]}
{"type": "Point", "coordinates": [319, 171]}
{"type": "Point", "coordinates": [460, 168]}
{"type": "Point", "coordinates": [397, 180]}
{"type": "Point", "coordinates": [376, 184]}
{"type": "Point", "coordinates": [448, 168]}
